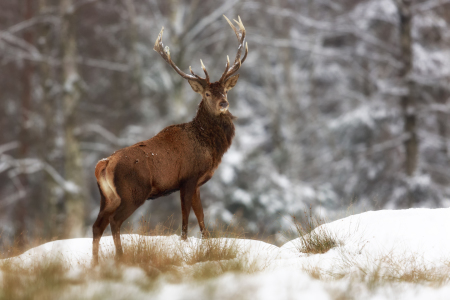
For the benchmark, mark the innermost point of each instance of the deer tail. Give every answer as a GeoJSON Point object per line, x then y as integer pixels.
{"type": "Point", "coordinates": [100, 167]}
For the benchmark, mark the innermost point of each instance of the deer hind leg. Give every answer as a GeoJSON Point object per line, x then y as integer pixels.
{"type": "Point", "coordinates": [126, 209]}
{"type": "Point", "coordinates": [198, 210]}
{"type": "Point", "coordinates": [109, 203]}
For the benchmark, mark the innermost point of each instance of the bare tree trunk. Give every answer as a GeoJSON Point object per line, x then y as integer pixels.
{"type": "Point", "coordinates": [49, 208]}
{"type": "Point", "coordinates": [407, 101]}
{"type": "Point", "coordinates": [442, 119]}
{"type": "Point", "coordinates": [73, 164]}
{"type": "Point", "coordinates": [135, 59]}
{"type": "Point", "coordinates": [282, 157]}
{"type": "Point", "coordinates": [311, 117]}
{"type": "Point", "coordinates": [178, 106]}
{"type": "Point", "coordinates": [21, 207]}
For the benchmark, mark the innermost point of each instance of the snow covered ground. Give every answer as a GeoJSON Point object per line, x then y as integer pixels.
{"type": "Point", "coordinates": [378, 254]}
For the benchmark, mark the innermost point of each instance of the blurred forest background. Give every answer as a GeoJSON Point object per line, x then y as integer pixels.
{"type": "Point", "coordinates": [339, 103]}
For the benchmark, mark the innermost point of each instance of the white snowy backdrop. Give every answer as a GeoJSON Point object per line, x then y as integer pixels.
{"type": "Point", "coordinates": [338, 104]}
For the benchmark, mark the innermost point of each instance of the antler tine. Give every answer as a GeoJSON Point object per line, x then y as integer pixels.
{"type": "Point", "coordinates": [232, 26]}
{"type": "Point", "coordinates": [165, 54]}
{"type": "Point", "coordinates": [198, 77]}
{"type": "Point", "coordinates": [240, 34]}
{"type": "Point", "coordinates": [241, 28]}
{"type": "Point", "coordinates": [204, 70]}
{"type": "Point", "coordinates": [192, 72]}
{"type": "Point", "coordinates": [227, 66]}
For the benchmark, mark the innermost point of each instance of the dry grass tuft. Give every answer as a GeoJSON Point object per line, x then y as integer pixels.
{"type": "Point", "coordinates": [387, 269]}
{"type": "Point", "coordinates": [173, 258]}
{"type": "Point", "coordinates": [148, 250]}
{"type": "Point", "coordinates": [222, 244]}
{"type": "Point", "coordinates": [41, 280]}
{"type": "Point", "coordinates": [314, 238]}
{"type": "Point", "coordinates": [219, 254]}
{"type": "Point", "coordinates": [390, 268]}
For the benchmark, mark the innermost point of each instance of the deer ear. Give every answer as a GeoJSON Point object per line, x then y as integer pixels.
{"type": "Point", "coordinates": [196, 86]}
{"type": "Point", "coordinates": [231, 82]}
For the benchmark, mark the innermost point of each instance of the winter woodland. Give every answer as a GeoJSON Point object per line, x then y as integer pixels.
{"type": "Point", "coordinates": [340, 104]}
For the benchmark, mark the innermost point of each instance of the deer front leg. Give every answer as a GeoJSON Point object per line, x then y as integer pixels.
{"type": "Point", "coordinates": [198, 210]}
{"type": "Point", "coordinates": [187, 191]}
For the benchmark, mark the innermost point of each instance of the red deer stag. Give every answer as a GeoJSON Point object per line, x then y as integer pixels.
{"type": "Point", "coordinates": [181, 157]}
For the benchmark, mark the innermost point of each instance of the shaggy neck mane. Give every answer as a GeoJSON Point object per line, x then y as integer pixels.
{"type": "Point", "coordinates": [215, 132]}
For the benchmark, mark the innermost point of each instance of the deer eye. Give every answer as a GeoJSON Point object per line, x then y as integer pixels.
{"type": "Point", "coordinates": [207, 95]}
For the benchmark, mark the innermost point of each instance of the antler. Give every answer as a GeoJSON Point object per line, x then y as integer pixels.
{"type": "Point", "coordinates": [240, 34]}
{"type": "Point", "coordinates": [165, 53]}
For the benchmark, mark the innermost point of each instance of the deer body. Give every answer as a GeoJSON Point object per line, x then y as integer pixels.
{"type": "Point", "coordinates": [180, 157]}
{"type": "Point", "coordinates": [156, 167]}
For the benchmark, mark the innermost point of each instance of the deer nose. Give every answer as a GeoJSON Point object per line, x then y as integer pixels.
{"type": "Point", "coordinates": [223, 104]}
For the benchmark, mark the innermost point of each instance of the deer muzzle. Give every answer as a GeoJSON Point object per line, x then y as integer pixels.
{"type": "Point", "coordinates": [223, 105]}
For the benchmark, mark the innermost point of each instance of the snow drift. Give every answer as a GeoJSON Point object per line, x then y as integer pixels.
{"type": "Point", "coordinates": [413, 238]}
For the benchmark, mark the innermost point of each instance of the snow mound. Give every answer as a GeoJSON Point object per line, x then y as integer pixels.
{"type": "Point", "coordinates": [421, 232]}
{"type": "Point", "coordinates": [417, 233]}
{"type": "Point", "coordinates": [79, 251]}
{"type": "Point", "coordinates": [415, 237]}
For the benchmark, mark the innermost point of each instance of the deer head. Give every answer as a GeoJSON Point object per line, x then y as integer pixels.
{"type": "Point", "coordinates": [213, 94]}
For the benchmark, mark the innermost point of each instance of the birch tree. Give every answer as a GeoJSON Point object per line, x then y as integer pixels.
{"type": "Point", "coordinates": [74, 201]}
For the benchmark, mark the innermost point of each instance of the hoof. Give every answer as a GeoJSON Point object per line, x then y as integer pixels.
{"type": "Point", "coordinates": [94, 262]}
{"type": "Point", "coordinates": [119, 256]}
